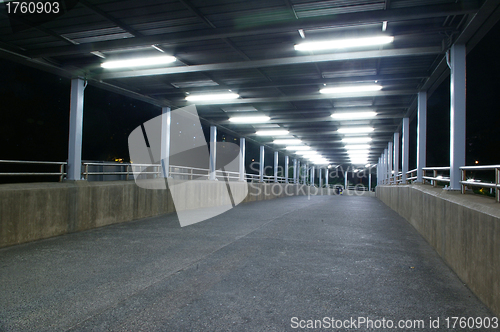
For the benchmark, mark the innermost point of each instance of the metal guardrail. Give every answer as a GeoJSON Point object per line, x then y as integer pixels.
{"type": "Point", "coordinates": [125, 171]}
{"type": "Point", "coordinates": [61, 173]}
{"type": "Point", "coordinates": [477, 183]}
{"type": "Point", "coordinates": [435, 178]}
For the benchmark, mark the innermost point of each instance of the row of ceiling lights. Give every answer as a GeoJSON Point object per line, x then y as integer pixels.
{"type": "Point", "coordinates": [358, 154]}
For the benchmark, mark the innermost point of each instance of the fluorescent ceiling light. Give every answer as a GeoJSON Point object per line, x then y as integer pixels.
{"type": "Point", "coordinates": [140, 62]}
{"type": "Point", "coordinates": [271, 132]}
{"type": "Point", "coordinates": [358, 152]}
{"type": "Point", "coordinates": [355, 130]}
{"type": "Point", "coordinates": [352, 88]}
{"type": "Point", "coordinates": [355, 140]}
{"type": "Point", "coordinates": [306, 153]}
{"type": "Point", "coordinates": [353, 115]}
{"type": "Point", "coordinates": [344, 43]}
{"type": "Point", "coordinates": [384, 25]}
{"type": "Point", "coordinates": [213, 96]}
{"type": "Point", "coordinates": [249, 119]}
{"type": "Point", "coordinates": [287, 141]}
{"type": "Point", "coordinates": [357, 146]}
{"type": "Point", "coordinates": [298, 147]}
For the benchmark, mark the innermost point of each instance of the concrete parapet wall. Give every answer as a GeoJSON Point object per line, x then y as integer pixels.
{"type": "Point", "coordinates": [36, 211]}
{"type": "Point", "coordinates": [463, 229]}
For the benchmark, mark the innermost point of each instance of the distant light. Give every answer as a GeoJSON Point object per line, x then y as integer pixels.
{"type": "Point", "coordinates": [476, 162]}
{"type": "Point", "coordinates": [357, 147]}
{"type": "Point", "coordinates": [353, 115]}
{"type": "Point", "coordinates": [212, 96]}
{"type": "Point", "coordinates": [272, 132]}
{"type": "Point", "coordinates": [302, 34]}
{"type": "Point", "coordinates": [344, 43]}
{"type": "Point", "coordinates": [367, 165]}
{"type": "Point", "coordinates": [355, 140]}
{"type": "Point", "coordinates": [384, 25]}
{"type": "Point", "coordinates": [298, 148]}
{"type": "Point", "coordinates": [287, 141]}
{"type": "Point", "coordinates": [140, 62]}
{"type": "Point", "coordinates": [355, 130]}
{"type": "Point", "coordinates": [352, 89]}
{"type": "Point", "coordinates": [249, 119]}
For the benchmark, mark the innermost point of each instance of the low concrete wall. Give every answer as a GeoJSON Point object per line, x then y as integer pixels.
{"type": "Point", "coordinates": [36, 211]}
{"type": "Point", "coordinates": [464, 230]}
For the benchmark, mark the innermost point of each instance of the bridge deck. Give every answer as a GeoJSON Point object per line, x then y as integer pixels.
{"type": "Point", "coordinates": [250, 269]}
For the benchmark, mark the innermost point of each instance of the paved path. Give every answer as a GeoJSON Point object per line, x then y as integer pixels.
{"type": "Point", "coordinates": [253, 268]}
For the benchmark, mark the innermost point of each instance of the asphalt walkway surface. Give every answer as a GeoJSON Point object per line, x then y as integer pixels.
{"type": "Point", "coordinates": [278, 265]}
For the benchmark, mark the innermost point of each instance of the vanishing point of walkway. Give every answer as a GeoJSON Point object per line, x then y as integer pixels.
{"type": "Point", "coordinates": [253, 268]}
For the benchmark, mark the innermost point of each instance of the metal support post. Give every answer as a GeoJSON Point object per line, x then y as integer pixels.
{"type": "Point", "coordinates": [242, 159]}
{"type": "Point", "coordinates": [287, 161]}
{"type": "Point", "coordinates": [213, 152]}
{"type": "Point", "coordinates": [166, 120]}
{"type": "Point", "coordinates": [295, 164]}
{"type": "Point", "coordinates": [405, 160]}
{"type": "Point", "coordinates": [396, 157]}
{"type": "Point", "coordinates": [75, 130]}
{"type": "Point", "coordinates": [275, 166]}
{"type": "Point", "coordinates": [389, 160]}
{"type": "Point", "coordinates": [421, 134]}
{"type": "Point", "coordinates": [457, 116]}
{"type": "Point", "coordinates": [261, 165]}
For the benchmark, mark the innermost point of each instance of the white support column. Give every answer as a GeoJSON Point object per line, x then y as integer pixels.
{"type": "Point", "coordinates": [165, 140]}
{"type": "Point", "coordinates": [312, 175]}
{"type": "Point", "coordinates": [261, 164]}
{"type": "Point", "coordinates": [320, 177]}
{"type": "Point", "coordinates": [242, 159]}
{"type": "Point", "coordinates": [369, 178]}
{"type": "Point", "coordinates": [378, 170]}
{"type": "Point", "coordinates": [287, 161]}
{"type": "Point", "coordinates": [386, 164]}
{"type": "Point", "coordinates": [345, 179]}
{"type": "Point", "coordinates": [295, 164]}
{"type": "Point", "coordinates": [457, 116]}
{"type": "Point", "coordinates": [389, 160]}
{"type": "Point", "coordinates": [326, 176]}
{"type": "Point", "coordinates": [213, 152]}
{"type": "Point", "coordinates": [306, 173]}
{"type": "Point", "coordinates": [275, 166]}
{"type": "Point", "coordinates": [75, 130]}
{"type": "Point", "coordinates": [405, 160]}
{"type": "Point", "coordinates": [396, 156]}
{"type": "Point", "coordinates": [422, 134]}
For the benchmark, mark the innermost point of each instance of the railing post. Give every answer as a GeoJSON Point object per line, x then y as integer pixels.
{"type": "Point", "coordinates": [61, 170]}
{"type": "Point", "coordinates": [86, 175]}
{"type": "Point", "coordinates": [463, 177]}
{"type": "Point", "coordinates": [434, 182]}
{"type": "Point", "coordinates": [497, 178]}
{"type": "Point", "coordinates": [126, 171]}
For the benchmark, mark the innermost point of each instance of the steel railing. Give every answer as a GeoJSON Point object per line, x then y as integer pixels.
{"type": "Point", "coordinates": [125, 171]}
{"type": "Point", "coordinates": [435, 178]}
{"type": "Point", "coordinates": [478, 183]}
{"type": "Point", "coordinates": [61, 169]}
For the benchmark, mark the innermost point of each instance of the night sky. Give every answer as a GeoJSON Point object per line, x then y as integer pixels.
{"type": "Point", "coordinates": [34, 106]}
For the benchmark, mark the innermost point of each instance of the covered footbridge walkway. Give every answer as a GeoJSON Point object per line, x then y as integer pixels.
{"type": "Point", "coordinates": [272, 265]}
